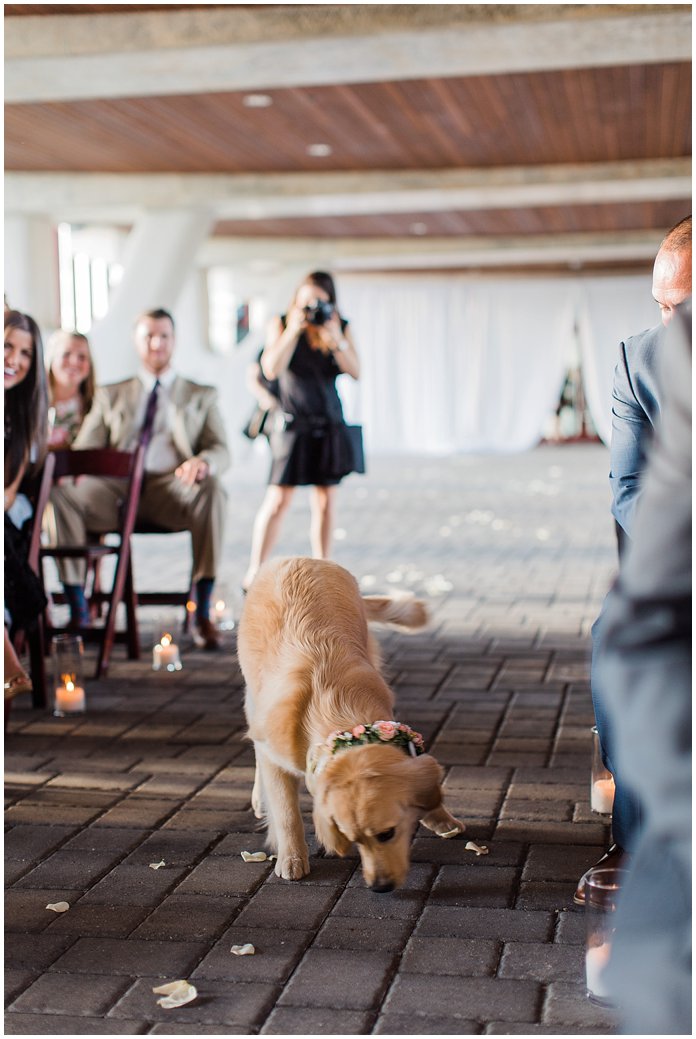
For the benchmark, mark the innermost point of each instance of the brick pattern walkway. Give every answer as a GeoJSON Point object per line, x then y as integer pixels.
{"type": "Point", "coordinates": [515, 555]}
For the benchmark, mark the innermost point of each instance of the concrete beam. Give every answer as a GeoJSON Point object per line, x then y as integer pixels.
{"type": "Point", "coordinates": [204, 50]}
{"type": "Point", "coordinates": [433, 253]}
{"type": "Point", "coordinates": [83, 197]}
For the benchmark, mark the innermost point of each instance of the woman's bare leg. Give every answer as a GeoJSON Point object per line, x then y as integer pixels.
{"type": "Point", "coordinates": [322, 503]}
{"type": "Point", "coordinates": [267, 526]}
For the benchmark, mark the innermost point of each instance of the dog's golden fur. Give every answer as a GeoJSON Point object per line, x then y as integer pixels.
{"type": "Point", "coordinates": [311, 667]}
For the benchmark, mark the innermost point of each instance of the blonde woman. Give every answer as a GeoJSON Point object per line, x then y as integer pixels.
{"type": "Point", "coordinates": [70, 386]}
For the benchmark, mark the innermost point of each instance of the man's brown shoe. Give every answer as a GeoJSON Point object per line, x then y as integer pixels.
{"type": "Point", "coordinates": [206, 635]}
{"type": "Point", "coordinates": [616, 857]}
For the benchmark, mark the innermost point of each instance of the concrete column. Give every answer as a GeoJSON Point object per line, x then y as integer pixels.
{"type": "Point", "coordinates": [159, 257]}
{"type": "Point", "coordinates": [31, 268]}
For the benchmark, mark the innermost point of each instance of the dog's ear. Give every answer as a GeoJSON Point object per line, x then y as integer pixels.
{"type": "Point", "coordinates": [425, 776]}
{"type": "Point", "coordinates": [328, 834]}
{"type": "Point", "coordinates": [316, 759]}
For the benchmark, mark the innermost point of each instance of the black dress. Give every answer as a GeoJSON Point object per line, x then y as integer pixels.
{"type": "Point", "coordinates": [309, 440]}
{"type": "Point", "coordinates": [24, 594]}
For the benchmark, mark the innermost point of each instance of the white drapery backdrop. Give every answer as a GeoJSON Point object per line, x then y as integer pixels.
{"type": "Point", "coordinates": [453, 363]}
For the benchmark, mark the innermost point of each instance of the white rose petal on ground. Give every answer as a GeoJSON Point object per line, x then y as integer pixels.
{"type": "Point", "coordinates": [437, 585]}
{"type": "Point", "coordinates": [157, 865]}
{"type": "Point", "coordinates": [175, 994]}
{"type": "Point", "coordinates": [413, 576]}
{"type": "Point", "coordinates": [451, 833]}
{"type": "Point", "coordinates": [243, 950]}
{"type": "Point", "coordinates": [478, 848]}
{"type": "Point", "coordinates": [254, 856]}
{"type": "Point", "coordinates": [58, 907]}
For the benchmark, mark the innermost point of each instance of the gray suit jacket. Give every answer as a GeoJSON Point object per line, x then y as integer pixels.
{"type": "Point", "coordinates": [194, 418]}
{"type": "Point", "coordinates": [644, 666]}
{"type": "Point", "coordinates": [635, 411]}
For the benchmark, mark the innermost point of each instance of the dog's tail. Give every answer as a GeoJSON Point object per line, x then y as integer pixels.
{"type": "Point", "coordinates": [404, 611]}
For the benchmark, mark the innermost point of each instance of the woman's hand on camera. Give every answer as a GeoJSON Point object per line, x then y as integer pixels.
{"type": "Point", "coordinates": [296, 321]}
{"type": "Point", "coordinates": [332, 332]}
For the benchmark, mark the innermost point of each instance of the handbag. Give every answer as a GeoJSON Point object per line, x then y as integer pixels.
{"type": "Point", "coordinates": [356, 446]}
{"type": "Point", "coordinates": [257, 422]}
{"type": "Point", "coordinates": [347, 454]}
{"type": "Point", "coordinates": [343, 451]}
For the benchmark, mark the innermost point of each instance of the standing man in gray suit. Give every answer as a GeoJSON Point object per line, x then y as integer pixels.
{"type": "Point", "coordinates": [187, 452]}
{"type": "Point", "coordinates": [645, 666]}
{"type": "Point", "coordinates": [636, 401]}
{"type": "Point", "coordinates": [635, 413]}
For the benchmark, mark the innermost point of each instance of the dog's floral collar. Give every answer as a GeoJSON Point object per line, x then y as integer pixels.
{"type": "Point", "coordinates": [396, 733]}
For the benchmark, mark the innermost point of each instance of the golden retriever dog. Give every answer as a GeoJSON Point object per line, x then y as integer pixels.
{"type": "Point", "coordinates": [318, 707]}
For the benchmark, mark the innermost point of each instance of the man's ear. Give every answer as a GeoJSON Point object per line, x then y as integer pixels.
{"type": "Point", "coordinates": [425, 777]}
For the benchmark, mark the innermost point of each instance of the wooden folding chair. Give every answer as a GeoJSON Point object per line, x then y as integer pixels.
{"type": "Point", "coordinates": [37, 488]}
{"type": "Point", "coordinates": [108, 463]}
{"type": "Point", "coordinates": [178, 597]}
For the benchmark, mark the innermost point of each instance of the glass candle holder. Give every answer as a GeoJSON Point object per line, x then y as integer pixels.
{"type": "Point", "coordinates": [223, 610]}
{"type": "Point", "coordinates": [69, 686]}
{"type": "Point", "coordinates": [601, 780]}
{"type": "Point", "coordinates": [166, 654]}
{"type": "Point", "coordinates": [602, 893]}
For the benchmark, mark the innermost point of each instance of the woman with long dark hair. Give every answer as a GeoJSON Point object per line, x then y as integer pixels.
{"type": "Point", "coordinates": [306, 350]}
{"type": "Point", "coordinates": [25, 448]}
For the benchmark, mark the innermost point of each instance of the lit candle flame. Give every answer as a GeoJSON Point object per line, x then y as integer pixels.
{"type": "Point", "coordinates": [69, 686]}
{"type": "Point", "coordinates": [220, 605]}
{"type": "Point", "coordinates": [191, 606]}
{"type": "Point", "coordinates": [166, 640]}
{"type": "Point", "coordinates": [68, 681]}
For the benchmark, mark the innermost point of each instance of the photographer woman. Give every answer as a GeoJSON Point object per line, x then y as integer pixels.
{"type": "Point", "coordinates": [306, 350]}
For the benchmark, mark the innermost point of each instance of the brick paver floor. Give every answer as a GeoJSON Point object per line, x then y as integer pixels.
{"type": "Point", "coordinates": [515, 555]}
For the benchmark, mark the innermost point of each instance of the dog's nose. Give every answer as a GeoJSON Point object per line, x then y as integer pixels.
{"type": "Point", "coordinates": [382, 886]}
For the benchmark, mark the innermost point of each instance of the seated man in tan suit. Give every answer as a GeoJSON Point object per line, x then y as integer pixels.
{"type": "Point", "coordinates": [186, 453]}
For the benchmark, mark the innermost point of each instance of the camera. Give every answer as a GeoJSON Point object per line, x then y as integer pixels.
{"type": "Point", "coordinates": [319, 313]}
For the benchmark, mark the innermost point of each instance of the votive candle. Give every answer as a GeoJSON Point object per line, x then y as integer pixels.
{"type": "Point", "coordinates": [166, 655]}
{"type": "Point", "coordinates": [70, 698]}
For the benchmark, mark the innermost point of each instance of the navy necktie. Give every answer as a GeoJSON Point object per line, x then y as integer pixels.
{"type": "Point", "coordinates": [149, 420]}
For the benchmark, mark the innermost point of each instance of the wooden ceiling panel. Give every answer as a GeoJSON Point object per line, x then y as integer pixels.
{"type": "Point", "coordinates": [34, 10]}
{"type": "Point", "coordinates": [569, 116]}
{"type": "Point", "coordinates": [534, 221]}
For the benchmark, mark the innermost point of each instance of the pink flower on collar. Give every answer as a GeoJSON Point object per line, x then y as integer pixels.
{"type": "Point", "coordinates": [386, 730]}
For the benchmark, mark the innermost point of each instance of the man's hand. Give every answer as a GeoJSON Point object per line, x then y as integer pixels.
{"type": "Point", "coordinates": [193, 470]}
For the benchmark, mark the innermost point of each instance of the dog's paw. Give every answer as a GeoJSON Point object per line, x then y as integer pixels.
{"type": "Point", "coordinates": [292, 867]}
{"type": "Point", "coordinates": [458, 828]}
{"type": "Point", "coordinates": [443, 823]}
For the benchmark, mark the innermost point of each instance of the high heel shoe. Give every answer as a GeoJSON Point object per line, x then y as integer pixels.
{"type": "Point", "coordinates": [15, 684]}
